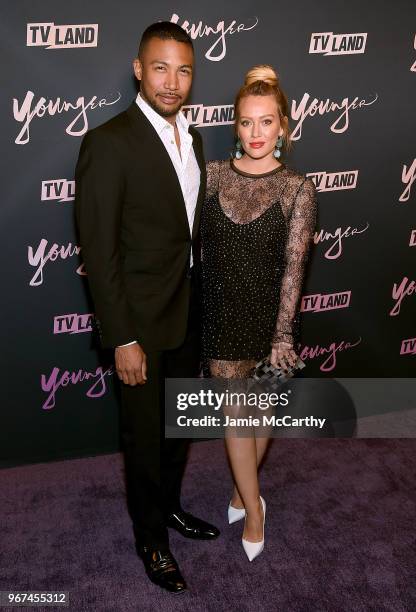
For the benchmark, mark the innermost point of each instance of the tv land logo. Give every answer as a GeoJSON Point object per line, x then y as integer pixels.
{"type": "Point", "coordinates": [412, 241]}
{"type": "Point", "coordinates": [220, 30]}
{"type": "Point", "coordinates": [328, 43]}
{"type": "Point", "coordinates": [73, 323]}
{"type": "Point", "coordinates": [320, 302]}
{"type": "Point", "coordinates": [401, 291]}
{"type": "Point", "coordinates": [58, 190]}
{"type": "Point", "coordinates": [29, 109]}
{"type": "Point", "coordinates": [199, 115]}
{"type": "Point", "coordinates": [408, 347]}
{"type": "Point", "coordinates": [334, 181]}
{"type": "Point", "coordinates": [335, 239]}
{"type": "Point", "coordinates": [43, 254]}
{"type": "Point", "coordinates": [408, 178]}
{"type": "Point", "coordinates": [54, 36]}
{"type": "Point", "coordinates": [413, 66]}
{"type": "Point", "coordinates": [330, 352]}
{"type": "Point", "coordinates": [56, 380]}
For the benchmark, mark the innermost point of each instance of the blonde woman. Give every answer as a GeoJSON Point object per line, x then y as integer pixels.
{"type": "Point", "coordinates": [257, 226]}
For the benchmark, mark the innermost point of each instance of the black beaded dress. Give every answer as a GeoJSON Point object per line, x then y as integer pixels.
{"type": "Point", "coordinates": [256, 232]}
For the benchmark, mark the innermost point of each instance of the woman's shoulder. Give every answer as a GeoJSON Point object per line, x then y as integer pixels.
{"type": "Point", "coordinates": [296, 180]}
{"type": "Point", "coordinates": [214, 164]}
{"type": "Point", "coordinates": [213, 176]}
{"type": "Point", "coordinates": [294, 176]}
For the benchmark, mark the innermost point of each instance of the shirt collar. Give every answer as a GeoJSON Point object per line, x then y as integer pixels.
{"type": "Point", "coordinates": [159, 122]}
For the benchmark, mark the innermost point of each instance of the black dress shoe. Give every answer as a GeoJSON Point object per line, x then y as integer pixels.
{"type": "Point", "coordinates": [162, 569]}
{"type": "Point", "coordinates": [191, 527]}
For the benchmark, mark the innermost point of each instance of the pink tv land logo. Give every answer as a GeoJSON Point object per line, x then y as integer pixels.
{"type": "Point", "coordinates": [328, 43]}
{"type": "Point", "coordinates": [334, 181]}
{"type": "Point", "coordinates": [328, 352]}
{"type": "Point", "coordinates": [408, 178]}
{"type": "Point", "coordinates": [57, 380]}
{"type": "Point", "coordinates": [408, 347]}
{"type": "Point", "coordinates": [400, 291]}
{"type": "Point", "coordinates": [336, 237]}
{"type": "Point", "coordinates": [199, 115]}
{"type": "Point", "coordinates": [320, 302]}
{"type": "Point", "coordinates": [73, 323]}
{"type": "Point", "coordinates": [60, 190]}
{"type": "Point", "coordinates": [412, 241]}
{"type": "Point", "coordinates": [54, 36]}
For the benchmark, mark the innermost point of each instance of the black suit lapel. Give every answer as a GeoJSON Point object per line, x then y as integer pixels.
{"type": "Point", "coordinates": [147, 133]}
{"type": "Point", "coordinates": [199, 154]}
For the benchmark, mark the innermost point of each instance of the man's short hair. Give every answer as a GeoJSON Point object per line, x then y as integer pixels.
{"type": "Point", "coordinates": [165, 30]}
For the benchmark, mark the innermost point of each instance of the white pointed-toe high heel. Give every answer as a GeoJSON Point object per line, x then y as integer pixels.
{"type": "Point", "coordinates": [253, 549]}
{"type": "Point", "coordinates": [235, 514]}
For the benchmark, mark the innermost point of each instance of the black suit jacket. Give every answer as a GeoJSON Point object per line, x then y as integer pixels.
{"type": "Point", "coordinates": [134, 232]}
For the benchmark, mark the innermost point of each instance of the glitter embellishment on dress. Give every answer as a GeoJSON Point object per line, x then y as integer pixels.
{"type": "Point", "coordinates": [256, 233]}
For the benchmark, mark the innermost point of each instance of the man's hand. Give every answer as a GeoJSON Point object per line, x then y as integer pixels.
{"type": "Point", "coordinates": [131, 364]}
{"type": "Point", "coordinates": [283, 355]}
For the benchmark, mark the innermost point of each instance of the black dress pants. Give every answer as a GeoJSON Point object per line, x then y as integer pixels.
{"type": "Point", "coordinates": [154, 465]}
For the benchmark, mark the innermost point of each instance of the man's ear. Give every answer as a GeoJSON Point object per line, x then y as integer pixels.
{"type": "Point", "coordinates": [137, 67]}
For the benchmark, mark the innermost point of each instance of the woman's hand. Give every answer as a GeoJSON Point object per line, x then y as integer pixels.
{"type": "Point", "coordinates": [283, 356]}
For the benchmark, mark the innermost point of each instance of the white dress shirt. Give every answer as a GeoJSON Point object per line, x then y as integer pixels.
{"type": "Point", "coordinates": [185, 163]}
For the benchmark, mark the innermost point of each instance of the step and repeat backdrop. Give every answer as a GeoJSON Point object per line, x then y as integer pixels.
{"type": "Point", "coordinates": [349, 71]}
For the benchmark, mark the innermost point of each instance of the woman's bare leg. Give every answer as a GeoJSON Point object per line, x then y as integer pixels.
{"type": "Point", "coordinates": [243, 457]}
{"type": "Point", "coordinates": [261, 446]}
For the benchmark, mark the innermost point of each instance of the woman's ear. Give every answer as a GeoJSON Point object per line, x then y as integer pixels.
{"type": "Point", "coordinates": [284, 126]}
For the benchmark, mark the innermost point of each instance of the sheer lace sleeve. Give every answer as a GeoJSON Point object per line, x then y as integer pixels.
{"type": "Point", "coordinates": [301, 226]}
{"type": "Point", "coordinates": [213, 168]}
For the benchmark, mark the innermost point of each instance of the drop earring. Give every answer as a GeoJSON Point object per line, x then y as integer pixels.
{"type": "Point", "coordinates": [238, 153]}
{"type": "Point", "coordinates": [277, 153]}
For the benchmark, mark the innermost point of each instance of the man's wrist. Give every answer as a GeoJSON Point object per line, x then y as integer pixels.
{"type": "Point", "coordinates": [128, 344]}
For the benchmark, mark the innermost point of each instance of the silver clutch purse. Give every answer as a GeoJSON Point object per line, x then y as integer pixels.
{"type": "Point", "coordinates": [265, 373]}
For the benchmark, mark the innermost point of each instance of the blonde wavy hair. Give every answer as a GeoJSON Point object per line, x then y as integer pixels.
{"type": "Point", "coordinates": [262, 80]}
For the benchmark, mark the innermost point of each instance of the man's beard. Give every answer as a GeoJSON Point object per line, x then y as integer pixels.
{"type": "Point", "coordinates": [163, 111]}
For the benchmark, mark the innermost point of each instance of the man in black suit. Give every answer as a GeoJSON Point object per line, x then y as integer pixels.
{"type": "Point", "coordinates": [140, 183]}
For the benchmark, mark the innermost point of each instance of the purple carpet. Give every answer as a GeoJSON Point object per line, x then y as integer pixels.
{"type": "Point", "coordinates": [340, 532]}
